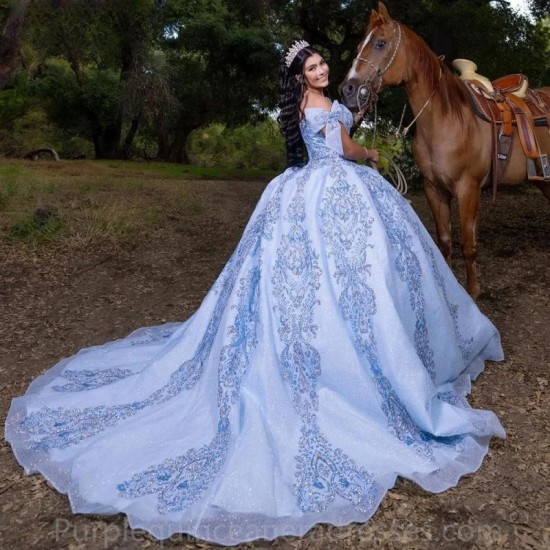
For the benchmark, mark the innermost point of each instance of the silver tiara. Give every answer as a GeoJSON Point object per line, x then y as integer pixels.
{"type": "Point", "coordinates": [293, 51]}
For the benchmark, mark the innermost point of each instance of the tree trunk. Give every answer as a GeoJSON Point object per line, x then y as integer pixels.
{"type": "Point", "coordinates": [177, 151]}
{"type": "Point", "coordinates": [106, 138]}
{"type": "Point", "coordinates": [10, 41]}
{"type": "Point", "coordinates": [178, 147]}
{"type": "Point", "coordinates": [163, 141]}
{"type": "Point", "coordinates": [129, 139]}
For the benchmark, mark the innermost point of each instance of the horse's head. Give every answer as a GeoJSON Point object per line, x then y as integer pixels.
{"type": "Point", "coordinates": [379, 62]}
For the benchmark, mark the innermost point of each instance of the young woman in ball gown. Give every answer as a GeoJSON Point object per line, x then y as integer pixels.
{"type": "Point", "coordinates": [332, 354]}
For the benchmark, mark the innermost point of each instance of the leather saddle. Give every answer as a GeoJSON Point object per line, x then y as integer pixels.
{"type": "Point", "coordinates": [512, 104]}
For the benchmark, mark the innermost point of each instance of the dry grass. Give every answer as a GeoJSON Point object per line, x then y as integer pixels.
{"type": "Point", "coordinates": [87, 203]}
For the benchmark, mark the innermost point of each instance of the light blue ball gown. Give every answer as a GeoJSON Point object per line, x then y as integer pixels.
{"type": "Point", "coordinates": [332, 355]}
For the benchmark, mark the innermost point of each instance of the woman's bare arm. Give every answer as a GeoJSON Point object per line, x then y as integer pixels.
{"type": "Point", "coordinates": [354, 151]}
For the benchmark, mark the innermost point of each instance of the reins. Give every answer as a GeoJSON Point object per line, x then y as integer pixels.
{"type": "Point", "coordinates": [367, 96]}
{"type": "Point", "coordinates": [367, 99]}
{"type": "Point", "coordinates": [397, 177]}
{"type": "Point", "coordinates": [402, 133]}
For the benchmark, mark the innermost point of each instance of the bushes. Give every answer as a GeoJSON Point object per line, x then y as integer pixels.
{"type": "Point", "coordinates": [27, 121]}
{"type": "Point", "coordinates": [33, 130]}
{"type": "Point", "coordinates": [248, 146]}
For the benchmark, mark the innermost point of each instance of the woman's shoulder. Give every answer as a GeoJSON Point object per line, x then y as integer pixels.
{"type": "Point", "coordinates": [315, 101]}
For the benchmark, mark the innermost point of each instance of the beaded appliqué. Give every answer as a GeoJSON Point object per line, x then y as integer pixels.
{"type": "Point", "coordinates": [181, 481]}
{"type": "Point", "coordinates": [409, 270]}
{"type": "Point", "coordinates": [322, 472]}
{"type": "Point", "coordinates": [346, 226]}
{"type": "Point", "coordinates": [83, 380]}
{"type": "Point", "coordinates": [61, 428]}
{"type": "Point", "coordinates": [464, 344]}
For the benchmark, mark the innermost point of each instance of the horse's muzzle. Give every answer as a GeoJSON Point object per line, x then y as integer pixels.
{"type": "Point", "coordinates": [348, 93]}
{"type": "Point", "coordinates": [356, 95]}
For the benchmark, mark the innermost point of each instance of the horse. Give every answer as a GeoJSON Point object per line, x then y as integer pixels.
{"type": "Point", "coordinates": [452, 146]}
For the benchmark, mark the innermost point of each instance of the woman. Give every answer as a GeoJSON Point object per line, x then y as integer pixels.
{"type": "Point", "coordinates": [332, 354]}
{"type": "Point", "coordinates": [303, 82]}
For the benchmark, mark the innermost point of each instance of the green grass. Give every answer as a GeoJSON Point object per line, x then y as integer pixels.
{"type": "Point", "coordinates": [31, 230]}
{"type": "Point", "coordinates": [13, 182]}
{"type": "Point", "coordinates": [100, 201]}
{"type": "Point", "coordinates": [188, 171]}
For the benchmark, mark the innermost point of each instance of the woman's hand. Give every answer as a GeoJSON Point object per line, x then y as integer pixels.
{"type": "Point", "coordinates": [371, 155]}
{"type": "Point", "coordinates": [354, 151]}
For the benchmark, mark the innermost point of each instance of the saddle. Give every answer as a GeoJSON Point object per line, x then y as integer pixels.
{"type": "Point", "coordinates": [511, 103]}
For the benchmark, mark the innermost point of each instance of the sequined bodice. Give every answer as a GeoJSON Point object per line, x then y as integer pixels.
{"type": "Point", "coordinates": [329, 144]}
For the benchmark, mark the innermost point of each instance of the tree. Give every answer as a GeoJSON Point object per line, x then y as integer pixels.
{"type": "Point", "coordinates": [10, 41]}
{"type": "Point", "coordinates": [540, 8]}
{"type": "Point", "coordinates": [222, 65]}
{"type": "Point", "coordinates": [105, 44]}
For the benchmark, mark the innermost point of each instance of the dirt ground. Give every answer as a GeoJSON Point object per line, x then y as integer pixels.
{"type": "Point", "coordinates": [55, 302]}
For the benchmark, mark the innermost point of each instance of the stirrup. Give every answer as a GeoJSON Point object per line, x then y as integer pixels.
{"type": "Point", "coordinates": [532, 170]}
{"type": "Point", "coordinates": [545, 166]}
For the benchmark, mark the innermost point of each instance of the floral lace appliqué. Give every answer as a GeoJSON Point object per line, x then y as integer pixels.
{"type": "Point", "coordinates": [323, 472]}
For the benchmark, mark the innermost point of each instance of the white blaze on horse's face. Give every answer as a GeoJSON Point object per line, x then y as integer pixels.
{"type": "Point", "coordinates": [374, 52]}
{"type": "Point", "coordinates": [375, 55]}
{"type": "Point", "coordinates": [353, 71]}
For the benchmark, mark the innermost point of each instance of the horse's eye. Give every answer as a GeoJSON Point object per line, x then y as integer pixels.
{"type": "Point", "coordinates": [379, 44]}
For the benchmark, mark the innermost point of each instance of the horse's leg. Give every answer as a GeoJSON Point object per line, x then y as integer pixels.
{"type": "Point", "coordinates": [440, 204]}
{"type": "Point", "coordinates": [468, 194]}
{"type": "Point", "coordinates": [545, 188]}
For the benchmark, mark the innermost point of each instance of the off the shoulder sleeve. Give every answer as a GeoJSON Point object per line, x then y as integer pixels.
{"type": "Point", "coordinates": [330, 120]}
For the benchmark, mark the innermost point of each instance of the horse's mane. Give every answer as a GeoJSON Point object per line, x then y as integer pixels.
{"type": "Point", "coordinates": [449, 89]}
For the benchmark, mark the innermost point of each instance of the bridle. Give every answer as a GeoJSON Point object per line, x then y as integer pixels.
{"type": "Point", "coordinates": [367, 93]}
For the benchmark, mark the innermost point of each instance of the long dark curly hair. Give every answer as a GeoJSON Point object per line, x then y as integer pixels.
{"type": "Point", "coordinates": [291, 93]}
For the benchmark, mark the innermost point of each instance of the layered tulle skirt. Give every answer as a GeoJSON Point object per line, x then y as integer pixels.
{"type": "Point", "coordinates": [332, 355]}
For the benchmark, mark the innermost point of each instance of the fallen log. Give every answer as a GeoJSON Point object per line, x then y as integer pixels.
{"type": "Point", "coordinates": [34, 154]}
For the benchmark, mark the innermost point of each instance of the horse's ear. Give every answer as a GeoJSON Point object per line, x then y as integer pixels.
{"type": "Point", "coordinates": [373, 17]}
{"type": "Point", "coordinates": [383, 13]}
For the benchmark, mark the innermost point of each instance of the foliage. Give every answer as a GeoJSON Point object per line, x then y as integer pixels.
{"type": "Point", "coordinates": [147, 78]}
{"type": "Point", "coordinates": [69, 102]}
{"type": "Point", "coordinates": [383, 138]}
{"type": "Point", "coordinates": [248, 146]}
{"type": "Point", "coordinates": [478, 32]}
{"type": "Point", "coordinates": [540, 8]}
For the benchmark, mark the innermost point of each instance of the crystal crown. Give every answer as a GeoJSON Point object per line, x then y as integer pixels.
{"type": "Point", "coordinates": [293, 51]}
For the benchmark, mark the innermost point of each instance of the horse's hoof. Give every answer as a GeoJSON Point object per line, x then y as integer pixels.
{"type": "Point", "coordinates": [474, 291]}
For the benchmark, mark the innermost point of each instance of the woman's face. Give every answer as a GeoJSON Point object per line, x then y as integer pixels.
{"type": "Point", "coordinates": [316, 72]}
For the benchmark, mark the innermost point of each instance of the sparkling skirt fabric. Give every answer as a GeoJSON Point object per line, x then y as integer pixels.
{"type": "Point", "coordinates": [332, 355]}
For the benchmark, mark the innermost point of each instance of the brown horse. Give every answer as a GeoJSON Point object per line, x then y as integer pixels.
{"type": "Point", "coordinates": [452, 146]}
